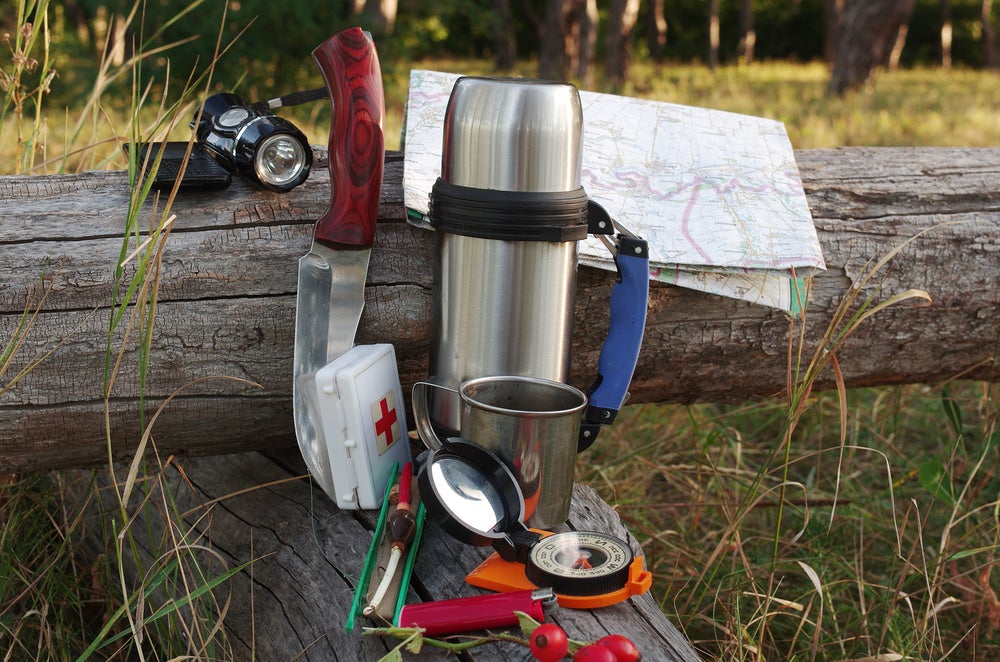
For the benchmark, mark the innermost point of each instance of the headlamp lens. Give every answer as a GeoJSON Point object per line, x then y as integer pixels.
{"type": "Point", "coordinates": [279, 160]}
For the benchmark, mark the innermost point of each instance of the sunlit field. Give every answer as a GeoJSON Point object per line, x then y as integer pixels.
{"type": "Point", "coordinates": [904, 108]}
{"type": "Point", "coordinates": [847, 529]}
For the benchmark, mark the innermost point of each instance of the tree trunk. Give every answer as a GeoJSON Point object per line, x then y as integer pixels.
{"type": "Point", "coordinates": [504, 38]}
{"type": "Point", "coordinates": [713, 34]}
{"type": "Point", "coordinates": [573, 37]}
{"type": "Point", "coordinates": [621, 19]}
{"type": "Point", "coordinates": [229, 275]}
{"type": "Point", "coordinates": [833, 12]}
{"type": "Point", "coordinates": [656, 29]}
{"type": "Point", "coordinates": [589, 21]}
{"type": "Point", "coordinates": [989, 34]}
{"type": "Point", "coordinates": [292, 601]}
{"type": "Point", "coordinates": [553, 61]}
{"type": "Point", "coordinates": [946, 34]}
{"type": "Point", "coordinates": [379, 16]}
{"type": "Point", "coordinates": [892, 62]}
{"type": "Point", "coordinates": [866, 36]}
{"type": "Point", "coordinates": [749, 38]}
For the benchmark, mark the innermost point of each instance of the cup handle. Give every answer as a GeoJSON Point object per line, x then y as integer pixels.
{"type": "Point", "coordinates": [422, 416]}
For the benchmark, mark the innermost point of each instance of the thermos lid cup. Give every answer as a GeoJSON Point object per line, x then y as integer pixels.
{"type": "Point", "coordinates": [513, 134]}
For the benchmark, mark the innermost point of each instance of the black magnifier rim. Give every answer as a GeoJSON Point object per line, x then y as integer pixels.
{"type": "Point", "coordinates": [494, 471]}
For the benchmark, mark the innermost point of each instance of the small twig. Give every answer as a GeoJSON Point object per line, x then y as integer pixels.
{"type": "Point", "coordinates": [452, 643]}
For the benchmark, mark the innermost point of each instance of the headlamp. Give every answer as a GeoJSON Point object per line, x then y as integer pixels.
{"type": "Point", "coordinates": [266, 149]}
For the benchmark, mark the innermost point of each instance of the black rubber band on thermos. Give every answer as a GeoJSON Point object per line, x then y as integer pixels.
{"type": "Point", "coordinates": [509, 215]}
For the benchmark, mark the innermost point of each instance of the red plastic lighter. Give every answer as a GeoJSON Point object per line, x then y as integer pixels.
{"type": "Point", "coordinates": [478, 612]}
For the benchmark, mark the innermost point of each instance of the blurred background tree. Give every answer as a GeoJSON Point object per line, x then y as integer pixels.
{"type": "Point", "coordinates": [869, 33]}
{"type": "Point", "coordinates": [569, 39]}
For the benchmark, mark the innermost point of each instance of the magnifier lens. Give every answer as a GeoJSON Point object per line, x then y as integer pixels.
{"type": "Point", "coordinates": [474, 502]}
{"type": "Point", "coordinates": [279, 160]}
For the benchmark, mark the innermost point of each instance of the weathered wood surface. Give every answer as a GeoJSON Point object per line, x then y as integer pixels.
{"type": "Point", "coordinates": [291, 603]}
{"type": "Point", "coordinates": [227, 296]}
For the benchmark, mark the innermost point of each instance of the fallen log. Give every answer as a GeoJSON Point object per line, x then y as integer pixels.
{"type": "Point", "coordinates": [292, 601]}
{"type": "Point", "coordinates": [222, 348]}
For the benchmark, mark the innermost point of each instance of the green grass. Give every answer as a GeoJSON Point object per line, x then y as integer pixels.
{"type": "Point", "coordinates": [888, 538]}
{"type": "Point", "coordinates": [44, 580]}
{"type": "Point", "coordinates": [139, 596]}
{"type": "Point", "coordinates": [905, 108]}
{"type": "Point", "coordinates": [927, 107]}
{"type": "Point", "coordinates": [838, 526]}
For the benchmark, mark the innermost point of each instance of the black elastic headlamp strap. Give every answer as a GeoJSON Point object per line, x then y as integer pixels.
{"type": "Point", "coordinates": [293, 99]}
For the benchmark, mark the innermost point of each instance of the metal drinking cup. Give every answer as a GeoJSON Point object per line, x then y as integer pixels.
{"type": "Point", "coordinates": [532, 424]}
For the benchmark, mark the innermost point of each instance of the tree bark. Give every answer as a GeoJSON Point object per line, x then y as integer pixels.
{"type": "Point", "coordinates": [568, 40]}
{"type": "Point", "coordinates": [656, 29]}
{"type": "Point", "coordinates": [379, 16]}
{"type": "Point", "coordinates": [749, 38]}
{"type": "Point", "coordinates": [867, 34]}
{"type": "Point", "coordinates": [896, 52]}
{"type": "Point", "coordinates": [989, 34]}
{"type": "Point", "coordinates": [946, 33]}
{"type": "Point", "coordinates": [227, 298]}
{"type": "Point", "coordinates": [553, 54]}
{"type": "Point", "coordinates": [621, 19]}
{"type": "Point", "coordinates": [833, 11]}
{"type": "Point", "coordinates": [713, 34]}
{"type": "Point", "coordinates": [292, 601]}
{"type": "Point", "coordinates": [504, 39]}
{"type": "Point", "coordinates": [589, 20]}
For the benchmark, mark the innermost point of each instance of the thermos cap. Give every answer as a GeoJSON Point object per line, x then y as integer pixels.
{"type": "Point", "coordinates": [513, 134]}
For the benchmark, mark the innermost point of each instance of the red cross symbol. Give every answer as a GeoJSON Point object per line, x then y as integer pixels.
{"type": "Point", "coordinates": [387, 420]}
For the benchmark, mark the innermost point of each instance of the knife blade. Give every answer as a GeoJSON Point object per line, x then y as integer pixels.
{"type": "Point", "coordinates": [331, 279]}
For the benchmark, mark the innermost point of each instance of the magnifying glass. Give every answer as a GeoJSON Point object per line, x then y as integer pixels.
{"type": "Point", "coordinates": [473, 496]}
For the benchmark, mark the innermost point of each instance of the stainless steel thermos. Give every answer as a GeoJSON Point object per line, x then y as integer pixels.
{"type": "Point", "coordinates": [508, 212]}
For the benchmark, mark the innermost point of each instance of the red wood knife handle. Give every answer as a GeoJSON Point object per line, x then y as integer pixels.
{"type": "Point", "coordinates": [353, 78]}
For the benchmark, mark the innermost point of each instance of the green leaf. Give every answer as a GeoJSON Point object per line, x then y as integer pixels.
{"type": "Point", "coordinates": [103, 640]}
{"type": "Point", "coordinates": [527, 623]}
{"type": "Point", "coordinates": [415, 643]}
{"type": "Point", "coordinates": [392, 656]}
{"type": "Point", "coordinates": [966, 553]}
{"type": "Point", "coordinates": [937, 481]}
{"type": "Point", "coordinates": [952, 411]}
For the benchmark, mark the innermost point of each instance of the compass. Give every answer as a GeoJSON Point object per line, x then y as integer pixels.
{"type": "Point", "coordinates": [579, 563]}
{"type": "Point", "coordinates": [472, 494]}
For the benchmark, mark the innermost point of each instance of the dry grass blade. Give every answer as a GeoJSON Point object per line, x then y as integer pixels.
{"type": "Point", "coordinates": [717, 491]}
{"type": "Point", "coordinates": [137, 461]}
{"type": "Point", "coordinates": [896, 299]}
{"type": "Point", "coordinates": [32, 308]}
{"type": "Point", "coordinates": [842, 400]}
{"type": "Point", "coordinates": [262, 486]}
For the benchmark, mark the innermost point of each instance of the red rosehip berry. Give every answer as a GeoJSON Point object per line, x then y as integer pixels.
{"type": "Point", "coordinates": [623, 647]}
{"type": "Point", "coordinates": [594, 653]}
{"type": "Point", "coordinates": [549, 643]}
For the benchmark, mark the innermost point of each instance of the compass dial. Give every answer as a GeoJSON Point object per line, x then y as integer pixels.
{"type": "Point", "coordinates": [579, 563]}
